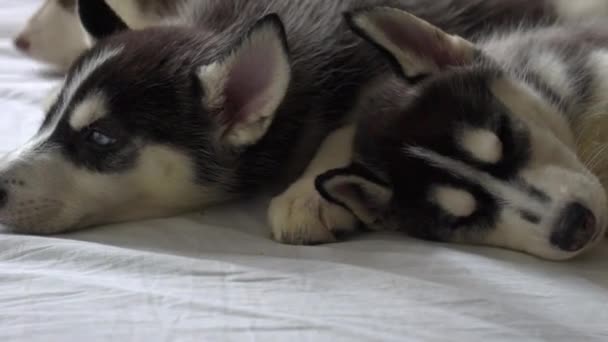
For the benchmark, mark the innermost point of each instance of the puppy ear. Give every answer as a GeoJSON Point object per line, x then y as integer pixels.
{"type": "Point", "coordinates": [418, 48]}
{"type": "Point", "coordinates": [99, 19]}
{"type": "Point", "coordinates": [357, 190]}
{"type": "Point", "coordinates": [244, 89]}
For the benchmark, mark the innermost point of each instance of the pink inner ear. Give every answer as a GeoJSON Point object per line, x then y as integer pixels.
{"type": "Point", "coordinates": [353, 192]}
{"type": "Point", "coordinates": [250, 78]}
{"type": "Point", "coordinates": [423, 41]}
{"type": "Point", "coordinates": [345, 190]}
{"type": "Point", "coordinates": [355, 197]}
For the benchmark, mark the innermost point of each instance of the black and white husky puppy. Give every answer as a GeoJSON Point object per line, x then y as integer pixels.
{"type": "Point", "coordinates": [500, 142]}
{"type": "Point", "coordinates": [54, 35]}
{"type": "Point", "coordinates": [220, 103]}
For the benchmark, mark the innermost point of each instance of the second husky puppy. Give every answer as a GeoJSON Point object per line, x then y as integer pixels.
{"type": "Point", "coordinates": [498, 142]}
{"type": "Point", "coordinates": [54, 35]}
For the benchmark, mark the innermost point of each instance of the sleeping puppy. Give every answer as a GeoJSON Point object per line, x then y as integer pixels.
{"type": "Point", "coordinates": [497, 142]}
{"type": "Point", "coordinates": [231, 100]}
{"type": "Point", "coordinates": [54, 35]}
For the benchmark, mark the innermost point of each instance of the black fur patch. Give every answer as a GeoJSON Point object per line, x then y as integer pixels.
{"type": "Point", "coordinates": [431, 118]}
{"type": "Point", "coordinates": [532, 191]}
{"type": "Point", "coordinates": [81, 152]}
{"type": "Point", "coordinates": [530, 216]}
{"type": "Point", "coordinates": [99, 19]}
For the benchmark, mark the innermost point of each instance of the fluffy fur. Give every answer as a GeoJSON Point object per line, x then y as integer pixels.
{"type": "Point", "coordinates": [53, 34]}
{"type": "Point", "coordinates": [223, 100]}
{"type": "Point", "coordinates": [492, 143]}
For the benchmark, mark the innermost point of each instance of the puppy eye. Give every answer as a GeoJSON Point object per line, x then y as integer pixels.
{"type": "Point", "coordinates": [100, 139]}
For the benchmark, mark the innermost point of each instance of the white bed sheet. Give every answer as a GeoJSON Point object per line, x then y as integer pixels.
{"type": "Point", "coordinates": [217, 277]}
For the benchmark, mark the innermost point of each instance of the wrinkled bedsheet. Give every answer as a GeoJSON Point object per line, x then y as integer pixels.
{"type": "Point", "coordinates": [216, 276]}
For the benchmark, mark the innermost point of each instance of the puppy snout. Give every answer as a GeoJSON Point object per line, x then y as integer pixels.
{"type": "Point", "coordinates": [575, 228]}
{"type": "Point", "coordinates": [22, 43]}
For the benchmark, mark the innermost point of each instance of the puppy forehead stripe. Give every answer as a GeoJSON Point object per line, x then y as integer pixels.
{"type": "Point", "coordinates": [510, 193]}
{"type": "Point", "coordinates": [86, 69]}
{"type": "Point", "coordinates": [88, 111]}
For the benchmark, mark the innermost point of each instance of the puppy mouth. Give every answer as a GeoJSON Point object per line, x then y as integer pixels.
{"type": "Point", "coordinates": [31, 215]}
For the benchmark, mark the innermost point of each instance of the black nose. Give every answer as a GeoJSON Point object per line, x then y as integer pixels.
{"type": "Point", "coordinates": [575, 228]}
{"type": "Point", "coordinates": [21, 43]}
{"type": "Point", "coordinates": [3, 198]}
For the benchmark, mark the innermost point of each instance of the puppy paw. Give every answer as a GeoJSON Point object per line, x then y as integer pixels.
{"type": "Point", "coordinates": [300, 216]}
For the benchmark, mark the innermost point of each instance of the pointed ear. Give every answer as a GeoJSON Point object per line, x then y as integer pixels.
{"type": "Point", "coordinates": [99, 19]}
{"type": "Point", "coordinates": [418, 48]}
{"type": "Point", "coordinates": [357, 190]}
{"type": "Point", "coordinates": [244, 90]}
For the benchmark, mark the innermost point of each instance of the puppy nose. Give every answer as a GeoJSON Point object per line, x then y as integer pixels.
{"type": "Point", "coordinates": [3, 198]}
{"type": "Point", "coordinates": [575, 228]}
{"type": "Point", "coordinates": [22, 43]}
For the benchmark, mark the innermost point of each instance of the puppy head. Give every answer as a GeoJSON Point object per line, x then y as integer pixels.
{"type": "Point", "coordinates": [468, 154]}
{"type": "Point", "coordinates": [149, 123]}
{"type": "Point", "coordinates": [53, 34]}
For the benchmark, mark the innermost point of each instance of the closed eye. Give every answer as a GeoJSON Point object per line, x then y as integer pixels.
{"type": "Point", "coordinates": [98, 138]}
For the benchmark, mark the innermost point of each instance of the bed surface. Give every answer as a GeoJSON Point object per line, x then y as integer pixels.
{"type": "Point", "coordinates": [216, 276]}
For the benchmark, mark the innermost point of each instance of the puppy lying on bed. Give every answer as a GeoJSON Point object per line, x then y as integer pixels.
{"type": "Point", "coordinates": [221, 103]}
{"type": "Point", "coordinates": [228, 100]}
{"type": "Point", "coordinates": [500, 142]}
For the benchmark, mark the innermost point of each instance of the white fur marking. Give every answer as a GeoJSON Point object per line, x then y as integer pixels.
{"type": "Point", "coordinates": [502, 190]}
{"type": "Point", "coordinates": [84, 72]}
{"type": "Point", "coordinates": [88, 111]}
{"type": "Point", "coordinates": [213, 77]}
{"type": "Point", "coordinates": [591, 127]}
{"type": "Point", "coordinates": [554, 72]}
{"type": "Point", "coordinates": [482, 144]}
{"type": "Point", "coordinates": [71, 86]}
{"type": "Point", "coordinates": [51, 98]}
{"type": "Point", "coordinates": [457, 202]}
{"type": "Point", "coordinates": [598, 60]}
{"type": "Point", "coordinates": [531, 107]}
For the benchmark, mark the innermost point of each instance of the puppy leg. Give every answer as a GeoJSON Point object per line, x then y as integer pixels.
{"type": "Point", "coordinates": [300, 216]}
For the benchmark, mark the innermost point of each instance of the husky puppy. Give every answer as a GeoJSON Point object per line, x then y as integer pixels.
{"type": "Point", "coordinates": [54, 35]}
{"type": "Point", "coordinates": [221, 104]}
{"type": "Point", "coordinates": [498, 142]}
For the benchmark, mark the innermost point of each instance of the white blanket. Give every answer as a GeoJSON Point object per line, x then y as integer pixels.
{"type": "Point", "coordinates": [217, 276]}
